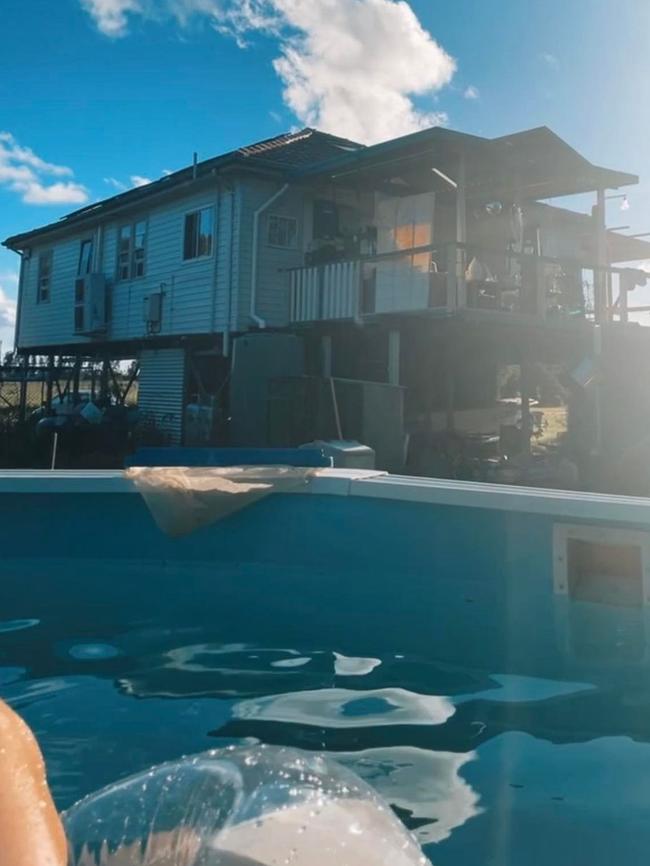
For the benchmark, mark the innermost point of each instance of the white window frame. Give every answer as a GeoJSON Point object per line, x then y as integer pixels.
{"type": "Point", "coordinates": [289, 219]}
{"type": "Point", "coordinates": [131, 252]}
{"type": "Point", "coordinates": [186, 216]}
{"type": "Point", "coordinates": [46, 254]}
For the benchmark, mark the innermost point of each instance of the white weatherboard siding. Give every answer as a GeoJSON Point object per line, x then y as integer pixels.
{"type": "Point", "coordinates": [161, 390]}
{"type": "Point", "coordinates": [52, 322]}
{"type": "Point", "coordinates": [273, 281]}
{"type": "Point", "coordinates": [195, 299]}
{"type": "Point", "coordinates": [196, 293]}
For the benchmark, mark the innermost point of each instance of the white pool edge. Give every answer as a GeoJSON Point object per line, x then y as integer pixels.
{"type": "Point", "coordinates": [375, 485]}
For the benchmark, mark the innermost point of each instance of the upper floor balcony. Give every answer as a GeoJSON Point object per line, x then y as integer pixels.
{"type": "Point", "coordinates": [439, 223]}
{"type": "Point", "coordinates": [454, 278]}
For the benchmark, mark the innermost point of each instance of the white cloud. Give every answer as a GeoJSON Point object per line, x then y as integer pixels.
{"type": "Point", "coordinates": [9, 278]}
{"type": "Point", "coordinates": [112, 15]}
{"type": "Point", "coordinates": [7, 310]}
{"type": "Point", "coordinates": [134, 181]}
{"type": "Point", "coordinates": [26, 156]}
{"type": "Point", "coordinates": [549, 59]}
{"type": "Point", "coordinates": [8, 289]}
{"type": "Point", "coordinates": [115, 183]}
{"type": "Point", "coordinates": [55, 193]}
{"type": "Point", "coordinates": [471, 92]}
{"type": "Point", "coordinates": [352, 67]}
{"type": "Point", "coordinates": [25, 173]}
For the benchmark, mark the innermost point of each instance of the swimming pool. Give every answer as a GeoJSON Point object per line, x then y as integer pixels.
{"type": "Point", "coordinates": [468, 650]}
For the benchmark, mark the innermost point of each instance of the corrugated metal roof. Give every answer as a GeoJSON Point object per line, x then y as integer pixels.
{"type": "Point", "coordinates": [307, 147]}
{"type": "Point", "coordinates": [536, 162]}
{"type": "Point", "coordinates": [281, 153]}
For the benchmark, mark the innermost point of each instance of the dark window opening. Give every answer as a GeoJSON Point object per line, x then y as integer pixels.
{"type": "Point", "coordinates": [44, 277]}
{"type": "Point", "coordinates": [199, 230]}
{"type": "Point", "coordinates": [85, 257]}
{"type": "Point", "coordinates": [131, 246]}
{"type": "Point", "coordinates": [124, 253]}
{"type": "Point", "coordinates": [605, 573]}
{"type": "Point", "coordinates": [282, 231]}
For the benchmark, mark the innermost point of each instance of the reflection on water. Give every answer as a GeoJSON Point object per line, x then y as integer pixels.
{"type": "Point", "coordinates": [352, 666]}
{"type": "Point", "coordinates": [291, 663]}
{"type": "Point", "coordinates": [520, 768]}
{"type": "Point", "coordinates": [93, 651]}
{"type": "Point", "coordinates": [17, 624]}
{"type": "Point", "coordinates": [510, 689]}
{"type": "Point", "coordinates": [424, 788]}
{"type": "Point", "coordinates": [346, 708]}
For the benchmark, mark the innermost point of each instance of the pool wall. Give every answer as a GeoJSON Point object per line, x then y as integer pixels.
{"type": "Point", "coordinates": [361, 560]}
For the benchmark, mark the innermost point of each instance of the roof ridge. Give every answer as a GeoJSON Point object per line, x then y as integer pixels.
{"type": "Point", "coordinates": [276, 141]}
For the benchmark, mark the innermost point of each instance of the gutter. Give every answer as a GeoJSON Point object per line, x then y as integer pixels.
{"type": "Point", "coordinates": [259, 321]}
{"type": "Point", "coordinates": [231, 272]}
{"type": "Point", "coordinates": [19, 302]}
{"type": "Point", "coordinates": [215, 265]}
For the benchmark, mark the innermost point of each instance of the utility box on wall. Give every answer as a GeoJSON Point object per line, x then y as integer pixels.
{"type": "Point", "coordinates": [257, 359]}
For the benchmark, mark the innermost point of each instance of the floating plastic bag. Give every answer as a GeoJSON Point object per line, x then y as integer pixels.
{"type": "Point", "coordinates": [182, 499]}
{"type": "Point", "coordinates": [256, 806]}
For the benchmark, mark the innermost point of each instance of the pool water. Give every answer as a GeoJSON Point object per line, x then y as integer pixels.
{"type": "Point", "coordinates": [504, 724]}
{"type": "Point", "coordinates": [487, 766]}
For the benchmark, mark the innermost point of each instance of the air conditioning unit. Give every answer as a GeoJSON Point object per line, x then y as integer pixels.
{"type": "Point", "coordinates": [90, 304]}
{"type": "Point", "coordinates": [153, 304]}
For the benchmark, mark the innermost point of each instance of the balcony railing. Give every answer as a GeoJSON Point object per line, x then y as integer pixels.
{"type": "Point", "coordinates": [452, 278]}
{"type": "Point", "coordinates": [330, 291]}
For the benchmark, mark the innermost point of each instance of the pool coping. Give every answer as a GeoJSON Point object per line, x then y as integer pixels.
{"type": "Point", "coordinates": [374, 485]}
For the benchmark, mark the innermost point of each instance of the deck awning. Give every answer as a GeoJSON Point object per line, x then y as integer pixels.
{"type": "Point", "coordinates": [531, 165]}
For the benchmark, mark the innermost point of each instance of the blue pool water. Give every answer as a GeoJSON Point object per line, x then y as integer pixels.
{"type": "Point", "coordinates": [423, 645]}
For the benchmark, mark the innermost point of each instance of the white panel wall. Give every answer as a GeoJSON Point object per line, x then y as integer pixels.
{"type": "Point", "coordinates": [44, 324]}
{"type": "Point", "coordinates": [195, 292]}
{"type": "Point", "coordinates": [274, 283]}
{"type": "Point", "coordinates": [161, 390]}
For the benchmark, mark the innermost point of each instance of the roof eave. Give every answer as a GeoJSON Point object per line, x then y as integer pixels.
{"type": "Point", "coordinates": [133, 197]}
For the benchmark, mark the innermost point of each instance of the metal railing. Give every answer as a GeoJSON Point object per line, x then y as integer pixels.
{"type": "Point", "coordinates": [441, 277]}
{"type": "Point", "coordinates": [328, 291]}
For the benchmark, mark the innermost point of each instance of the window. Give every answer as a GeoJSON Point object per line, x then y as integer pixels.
{"type": "Point", "coordinates": [44, 277]}
{"type": "Point", "coordinates": [139, 241]}
{"type": "Point", "coordinates": [79, 304]}
{"type": "Point", "coordinates": [85, 257]}
{"type": "Point", "coordinates": [131, 243]}
{"type": "Point", "coordinates": [199, 228]}
{"type": "Point", "coordinates": [124, 253]}
{"type": "Point", "coordinates": [282, 231]}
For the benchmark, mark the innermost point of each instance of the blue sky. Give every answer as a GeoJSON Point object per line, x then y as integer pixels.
{"type": "Point", "coordinates": [103, 94]}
